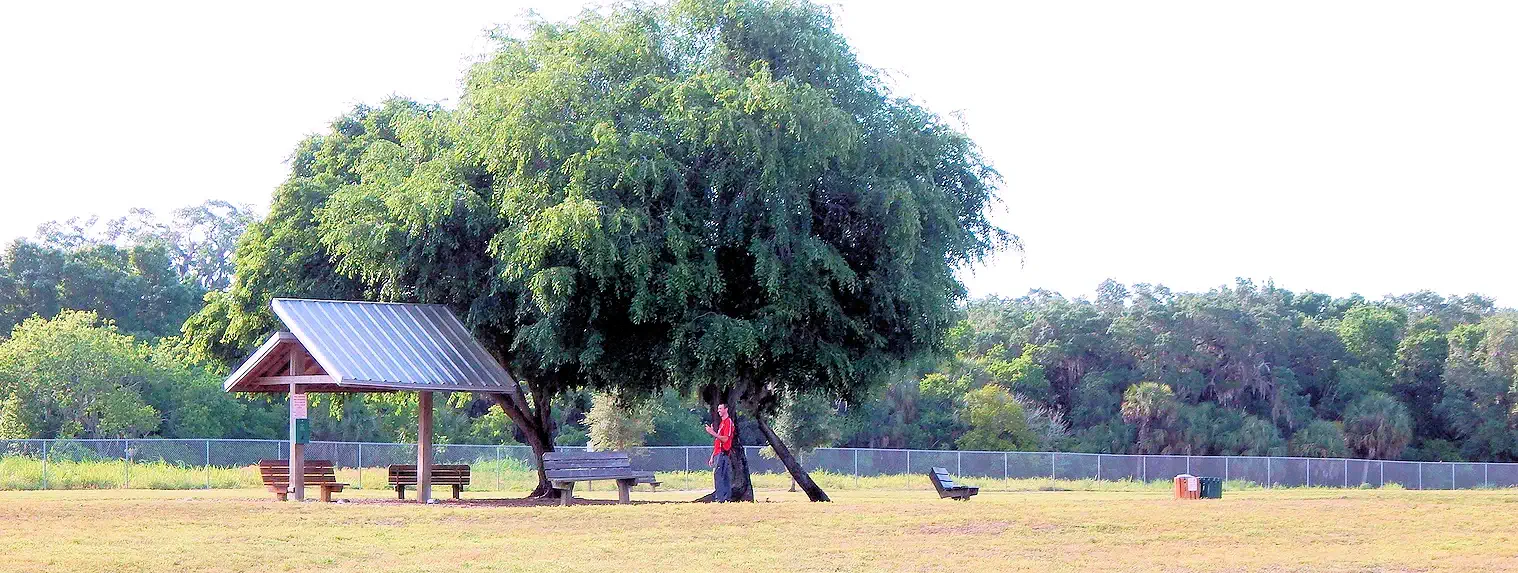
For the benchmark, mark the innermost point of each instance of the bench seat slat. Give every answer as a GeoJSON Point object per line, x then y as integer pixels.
{"type": "Point", "coordinates": [583, 455]}
{"type": "Point", "coordinates": [590, 475]}
{"type": "Point", "coordinates": [572, 464]}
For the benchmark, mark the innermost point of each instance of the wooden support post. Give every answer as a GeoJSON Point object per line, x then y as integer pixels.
{"type": "Point", "coordinates": [624, 489]}
{"type": "Point", "coordinates": [297, 449]}
{"type": "Point", "coordinates": [567, 494]}
{"type": "Point", "coordinates": [424, 447]}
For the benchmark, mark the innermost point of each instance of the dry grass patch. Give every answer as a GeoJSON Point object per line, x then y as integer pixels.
{"type": "Point", "coordinates": [1282, 530]}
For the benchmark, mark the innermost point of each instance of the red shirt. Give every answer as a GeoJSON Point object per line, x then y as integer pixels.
{"type": "Point", "coordinates": [724, 440]}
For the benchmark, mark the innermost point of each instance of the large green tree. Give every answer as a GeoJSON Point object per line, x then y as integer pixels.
{"type": "Point", "coordinates": [709, 195]}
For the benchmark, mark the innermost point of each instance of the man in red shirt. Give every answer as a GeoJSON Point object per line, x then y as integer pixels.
{"type": "Point", "coordinates": [722, 443]}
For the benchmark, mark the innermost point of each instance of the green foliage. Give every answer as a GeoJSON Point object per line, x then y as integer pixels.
{"type": "Point", "coordinates": [1153, 408]}
{"type": "Point", "coordinates": [806, 422]}
{"type": "Point", "coordinates": [1377, 426]}
{"type": "Point", "coordinates": [1259, 437]}
{"type": "Point", "coordinates": [572, 436]}
{"type": "Point", "coordinates": [997, 422]}
{"type": "Point", "coordinates": [1319, 439]}
{"type": "Point", "coordinates": [1371, 332]}
{"type": "Point", "coordinates": [134, 287]}
{"type": "Point", "coordinates": [76, 376]}
{"type": "Point", "coordinates": [677, 421]}
{"type": "Point", "coordinates": [617, 425]}
{"type": "Point", "coordinates": [198, 239]}
{"type": "Point", "coordinates": [71, 378]}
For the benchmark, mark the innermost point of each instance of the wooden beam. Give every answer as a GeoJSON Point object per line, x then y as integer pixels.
{"type": "Point", "coordinates": [288, 380]}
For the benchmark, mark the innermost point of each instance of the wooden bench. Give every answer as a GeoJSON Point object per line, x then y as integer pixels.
{"type": "Point", "coordinates": [402, 475]}
{"type": "Point", "coordinates": [653, 483]}
{"type": "Point", "coordinates": [563, 469]}
{"type": "Point", "coordinates": [318, 473]}
{"type": "Point", "coordinates": [947, 488]}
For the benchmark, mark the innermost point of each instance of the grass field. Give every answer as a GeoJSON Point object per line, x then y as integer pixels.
{"type": "Point", "coordinates": [24, 473]}
{"type": "Point", "coordinates": [1262, 530]}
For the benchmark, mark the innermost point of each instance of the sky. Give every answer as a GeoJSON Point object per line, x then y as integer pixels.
{"type": "Point", "coordinates": [1342, 147]}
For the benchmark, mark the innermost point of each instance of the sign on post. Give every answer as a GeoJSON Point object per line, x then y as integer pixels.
{"type": "Point", "coordinates": [298, 406]}
{"type": "Point", "coordinates": [300, 426]}
{"type": "Point", "coordinates": [302, 431]}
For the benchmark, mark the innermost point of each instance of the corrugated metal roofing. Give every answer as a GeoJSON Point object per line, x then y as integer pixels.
{"type": "Point", "coordinates": [392, 345]}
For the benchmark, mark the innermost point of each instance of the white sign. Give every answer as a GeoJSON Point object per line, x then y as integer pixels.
{"type": "Point", "coordinates": [297, 406]}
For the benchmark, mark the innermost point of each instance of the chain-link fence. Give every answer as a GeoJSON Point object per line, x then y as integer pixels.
{"type": "Point", "coordinates": [171, 464]}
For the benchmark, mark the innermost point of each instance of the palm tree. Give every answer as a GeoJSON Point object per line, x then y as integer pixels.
{"type": "Point", "coordinates": [1151, 405]}
{"type": "Point", "coordinates": [1378, 426]}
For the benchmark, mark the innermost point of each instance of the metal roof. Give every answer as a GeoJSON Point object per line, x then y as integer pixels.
{"type": "Point", "coordinates": [367, 346]}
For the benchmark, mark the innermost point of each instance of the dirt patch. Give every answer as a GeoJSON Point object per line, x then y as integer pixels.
{"type": "Point", "coordinates": [511, 502]}
{"type": "Point", "coordinates": [972, 528]}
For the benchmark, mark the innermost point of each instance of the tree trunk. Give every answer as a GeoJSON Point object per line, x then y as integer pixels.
{"type": "Point", "coordinates": [742, 482]}
{"type": "Point", "coordinates": [798, 474]}
{"type": "Point", "coordinates": [535, 428]}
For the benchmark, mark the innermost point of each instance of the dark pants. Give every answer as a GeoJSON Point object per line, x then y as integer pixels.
{"type": "Point", "coordinates": [723, 475]}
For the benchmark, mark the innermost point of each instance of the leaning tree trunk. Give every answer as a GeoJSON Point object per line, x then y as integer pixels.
{"type": "Point", "coordinates": [534, 426]}
{"type": "Point", "coordinates": [798, 473]}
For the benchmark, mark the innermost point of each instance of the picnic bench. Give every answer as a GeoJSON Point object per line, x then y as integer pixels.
{"type": "Point", "coordinates": [563, 469]}
{"type": "Point", "coordinates": [402, 475]}
{"type": "Point", "coordinates": [947, 488]}
{"type": "Point", "coordinates": [318, 473]}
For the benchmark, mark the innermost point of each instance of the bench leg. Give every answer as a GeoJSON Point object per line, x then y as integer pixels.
{"type": "Point", "coordinates": [457, 489]}
{"type": "Point", "coordinates": [567, 494]}
{"type": "Point", "coordinates": [326, 495]}
{"type": "Point", "coordinates": [400, 492]}
{"type": "Point", "coordinates": [282, 496]}
{"type": "Point", "coordinates": [624, 489]}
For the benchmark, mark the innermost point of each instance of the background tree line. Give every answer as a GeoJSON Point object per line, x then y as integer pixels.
{"type": "Point", "coordinates": [1242, 370]}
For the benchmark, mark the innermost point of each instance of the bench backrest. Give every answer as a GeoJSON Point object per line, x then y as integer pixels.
{"type": "Point", "coordinates": [585, 465]}
{"type": "Point", "coordinates": [941, 479]}
{"type": "Point", "coordinates": [442, 474]}
{"type": "Point", "coordinates": [277, 472]}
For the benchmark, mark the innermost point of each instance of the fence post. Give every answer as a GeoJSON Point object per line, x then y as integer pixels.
{"type": "Point", "coordinates": [208, 464]}
{"type": "Point", "coordinates": [44, 464]}
{"type": "Point", "coordinates": [1420, 476]}
{"type": "Point", "coordinates": [1098, 467]}
{"type": "Point", "coordinates": [126, 467]}
{"type": "Point", "coordinates": [1485, 469]}
{"type": "Point", "coordinates": [1188, 464]}
{"type": "Point", "coordinates": [1269, 481]}
{"type": "Point", "coordinates": [360, 465]}
{"type": "Point", "coordinates": [1052, 470]}
{"type": "Point", "coordinates": [1452, 475]}
{"type": "Point", "coordinates": [1382, 466]}
{"type": "Point", "coordinates": [1004, 466]}
{"type": "Point", "coordinates": [1346, 472]}
{"type": "Point", "coordinates": [687, 459]}
{"type": "Point", "coordinates": [959, 463]}
{"type": "Point", "coordinates": [856, 467]}
{"type": "Point", "coordinates": [1309, 472]}
{"type": "Point", "coordinates": [1144, 468]}
{"type": "Point", "coordinates": [907, 473]}
{"type": "Point", "coordinates": [1225, 468]}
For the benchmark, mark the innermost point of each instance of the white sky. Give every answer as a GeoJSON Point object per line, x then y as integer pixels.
{"type": "Point", "coordinates": [1335, 146]}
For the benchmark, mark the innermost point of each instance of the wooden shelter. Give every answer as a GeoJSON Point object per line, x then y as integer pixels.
{"type": "Point", "coordinates": [352, 346]}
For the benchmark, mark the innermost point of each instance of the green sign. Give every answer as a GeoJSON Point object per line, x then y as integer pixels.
{"type": "Point", "coordinates": [301, 431]}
